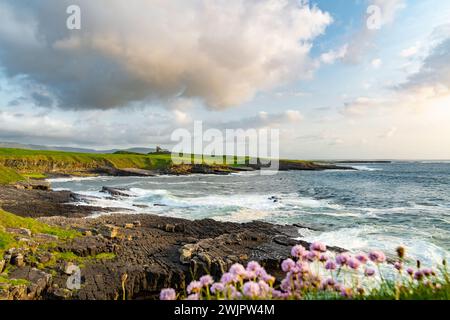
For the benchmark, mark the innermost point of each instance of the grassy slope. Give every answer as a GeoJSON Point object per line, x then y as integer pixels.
{"type": "Point", "coordinates": [9, 220]}
{"type": "Point", "coordinates": [8, 175]}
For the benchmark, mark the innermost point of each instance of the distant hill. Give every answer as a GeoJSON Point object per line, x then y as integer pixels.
{"type": "Point", "coordinates": [69, 149]}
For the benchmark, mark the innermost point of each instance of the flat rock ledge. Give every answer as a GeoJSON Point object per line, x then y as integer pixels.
{"type": "Point", "coordinates": [147, 253]}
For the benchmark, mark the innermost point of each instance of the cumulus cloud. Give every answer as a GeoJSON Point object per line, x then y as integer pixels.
{"type": "Point", "coordinates": [331, 56]}
{"type": "Point", "coordinates": [221, 52]}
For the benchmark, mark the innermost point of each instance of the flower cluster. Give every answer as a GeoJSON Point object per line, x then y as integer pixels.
{"type": "Point", "coordinates": [309, 273]}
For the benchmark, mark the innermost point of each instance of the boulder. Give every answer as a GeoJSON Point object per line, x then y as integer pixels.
{"type": "Point", "coordinates": [17, 259]}
{"type": "Point", "coordinates": [109, 231]}
{"type": "Point", "coordinates": [19, 231]}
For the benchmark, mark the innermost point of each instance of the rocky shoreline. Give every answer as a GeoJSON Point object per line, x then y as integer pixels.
{"type": "Point", "coordinates": [127, 256]}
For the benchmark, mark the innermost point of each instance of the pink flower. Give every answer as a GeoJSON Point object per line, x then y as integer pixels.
{"type": "Point", "coordinates": [268, 278]}
{"type": "Point", "coordinates": [253, 266]}
{"type": "Point", "coordinates": [318, 246]}
{"type": "Point", "coordinates": [238, 269]}
{"type": "Point", "coordinates": [194, 287]}
{"type": "Point", "coordinates": [427, 272]}
{"type": "Point", "coordinates": [251, 289]}
{"type": "Point", "coordinates": [206, 280]}
{"type": "Point", "coordinates": [398, 265]}
{"type": "Point", "coordinates": [228, 278]}
{"type": "Point", "coordinates": [369, 272]}
{"type": "Point", "coordinates": [287, 265]}
{"type": "Point", "coordinates": [264, 287]}
{"type": "Point", "coordinates": [298, 251]}
{"type": "Point", "coordinates": [418, 275]}
{"type": "Point", "coordinates": [194, 296]}
{"type": "Point", "coordinates": [330, 265]}
{"type": "Point", "coordinates": [217, 288]}
{"type": "Point", "coordinates": [168, 294]}
{"type": "Point", "coordinates": [353, 263]}
{"type": "Point", "coordinates": [377, 256]}
{"type": "Point", "coordinates": [346, 292]}
{"type": "Point", "coordinates": [312, 256]}
{"type": "Point", "coordinates": [286, 284]}
{"type": "Point", "coordinates": [410, 271]}
{"type": "Point", "coordinates": [362, 258]}
{"type": "Point", "coordinates": [302, 267]}
{"type": "Point", "coordinates": [342, 258]}
{"type": "Point", "coordinates": [323, 257]}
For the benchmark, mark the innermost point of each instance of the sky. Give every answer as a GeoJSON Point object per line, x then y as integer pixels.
{"type": "Point", "coordinates": [338, 79]}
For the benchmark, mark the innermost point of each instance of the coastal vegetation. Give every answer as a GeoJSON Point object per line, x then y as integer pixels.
{"type": "Point", "coordinates": [319, 274]}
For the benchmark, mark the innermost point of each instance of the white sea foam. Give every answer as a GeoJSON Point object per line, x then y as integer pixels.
{"type": "Point", "coordinates": [366, 168]}
{"type": "Point", "coordinates": [367, 238]}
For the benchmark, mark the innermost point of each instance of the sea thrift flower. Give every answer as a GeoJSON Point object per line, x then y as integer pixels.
{"type": "Point", "coordinates": [286, 284]}
{"type": "Point", "coordinates": [253, 266]}
{"type": "Point", "coordinates": [194, 287]}
{"type": "Point", "coordinates": [194, 296]}
{"type": "Point", "coordinates": [206, 280]}
{"type": "Point", "coordinates": [398, 265]}
{"type": "Point", "coordinates": [377, 256]}
{"type": "Point", "coordinates": [342, 259]}
{"type": "Point", "coordinates": [312, 256]}
{"type": "Point", "coordinates": [251, 289]}
{"type": "Point", "coordinates": [346, 292]}
{"type": "Point", "coordinates": [369, 272]}
{"type": "Point", "coordinates": [217, 288]}
{"type": "Point", "coordinates": [353, 263]}
{"type": "Point", "coordinates": [298, 251]}
{"type": "Point", "coordinates": [362, 258]}
{"type": "Point", "coordinates": [238, 269]}
{"type": "Point", "coordinates": [330, 265]}
{"type": "Point", "coordinates": [410, 271]}
{"type": "Point", "coordinates": [427, 272]}
{"type": "Point", "coordinates": [418, 275]}
{"type": "Point", "coordinates": [264, 287]}
{"type": "Point", "coordinates": [228, 278]}
{"type": "Point", "coordinates": [287, 265]}
{"type": "Point", "coordinates": [318, 246]}
{"type": "Point", "coordinates": [323, 257]}
{"type": "Point", "coordinates": [168, 294]}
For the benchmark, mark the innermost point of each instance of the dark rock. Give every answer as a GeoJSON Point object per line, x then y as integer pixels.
{"type": "Point", "coordinates": [115, 192]}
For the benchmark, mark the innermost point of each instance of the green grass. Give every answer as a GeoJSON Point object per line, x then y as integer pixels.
{"type": "Point", "coordinates": [8, 175]}
{"type": "Point", "coordinates": [9, 220]}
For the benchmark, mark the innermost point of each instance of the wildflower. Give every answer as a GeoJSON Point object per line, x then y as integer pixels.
{"type": "Point", "coordinates": [286, 284]}
{"type": "Point", "coordinates": [398, 265]}
{"type": "Point", "coordinates": [194, 287]}
{"type": "Point", "coordinates": [253, 266]}
{"type": "Point", "coordinates": [238, 269]}
{"type": "Point", "coordinates": [377, 256]}
{"type": "Point", "coordinates": [277, 294]}
{"type": "Point", "coordinates": [330, 265]}
{"type": "Point", "coordinates": [318, 246]}
{"type": "Point", "coordinates": [353, 263]}
{"type": "Point", "coordinates": [302, 267]}
{"type": "Point", "coordinates": [228, 278]}
{"type": "Point", "coordinates": [410, 271]}
{"type": "Point", "coordinates": [323, 257]}
{"type": "Point", "coordinates": [206, 280]}
{"type": "Point", "coordinates": [251, 289]}
{"type": "Point", "coordinates": [369, 272]}
{"type": "Point", "coordinates": [217, 288]}
{"type": "Point", "coordinates": [194, 296]}
{"type": "Point", "coordinates": [401, 252]}
{"type": "Point", "coordinates": [268, 278]}
{"type": "Point", "coordinates": [362, 258]}
{"type": "Point", "coordinates": [427, 272]}
{"type": "Point", "coordinates": [312, 255]}
{"type": "Point", "coordinates": [418, 275]}
{"type": "Point", "coordinates": [342, 259]}
{"type": "Point", "coordinates": [168, 294]}
{"type": "Point", "coordinates": [346, 292]}
{"type": "Point", "coordinates": [298, 251]}
{"type": "Point", "coordinates": [264, 287]}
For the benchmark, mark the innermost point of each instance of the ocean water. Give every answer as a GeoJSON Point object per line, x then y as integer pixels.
{"type": "Point", "coordinates": [381, 206]}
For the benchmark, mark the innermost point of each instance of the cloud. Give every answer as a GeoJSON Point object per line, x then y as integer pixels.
{"type": "Point", "coordinates": [410, 52]}
{"type": "Point", "coordinates": [263, 120]}
{"type": "Point", "coordinates": [331, 56]}
{"type": "Point", "coordinates": [221, 52]}
{"type": "Point", "coordinates": [376, 63]}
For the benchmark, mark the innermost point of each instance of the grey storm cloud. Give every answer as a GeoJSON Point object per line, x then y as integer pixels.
{"type": "Point", "coordinates": [221, 52]}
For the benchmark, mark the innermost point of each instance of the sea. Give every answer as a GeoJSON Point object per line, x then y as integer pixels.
{"type": "Point", "coordinates": [379, 206]}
